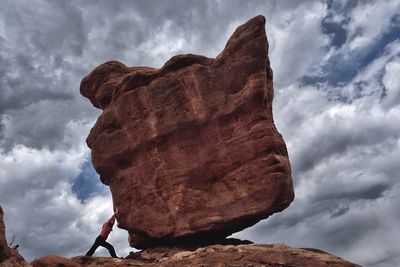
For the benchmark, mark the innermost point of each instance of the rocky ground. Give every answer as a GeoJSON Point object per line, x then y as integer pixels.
{"type": "Point", "coordinates": [214, 255]}
{"type": "Point", "coordinates": [232, 253]}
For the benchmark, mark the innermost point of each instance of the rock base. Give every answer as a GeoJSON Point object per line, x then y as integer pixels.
{"type": "Point", "coordinates": [214, 255]}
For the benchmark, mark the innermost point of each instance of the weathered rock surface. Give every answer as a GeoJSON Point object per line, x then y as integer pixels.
{"type": "Point", "coordinates": [217, 255]}
{"type": "Point", "coordinates": [3, 240]}
{"type": "Point", "coordinates": [54, 261]}
{"type": "Point", "coordinates": [8, 256]}
{"type": "Point", "coordinates": [190, 151]}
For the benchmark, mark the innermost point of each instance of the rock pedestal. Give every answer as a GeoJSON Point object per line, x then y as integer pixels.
{"type": "Point", "coordinates": [277, 255]}
{"type": "Point", "coordinates": [190, 151]}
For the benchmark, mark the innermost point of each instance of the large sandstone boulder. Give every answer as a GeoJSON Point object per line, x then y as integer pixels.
{"type": "Point", "coordinates": [190, 151]}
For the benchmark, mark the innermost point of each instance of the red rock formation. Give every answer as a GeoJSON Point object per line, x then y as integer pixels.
{"type": "Point", "coordinates": [3, 241]}
{"type": "Point", "coordinates": [216, 255]}
{"type": "Point", "coordinates": [190, 151]}
{"type": "Point", "coordinates": [8, 256]}
{"type": "Point", "coordinates": [54, 261]}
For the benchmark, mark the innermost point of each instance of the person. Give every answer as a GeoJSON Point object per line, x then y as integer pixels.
{"type": "Point", "coordinates": [102, 237]}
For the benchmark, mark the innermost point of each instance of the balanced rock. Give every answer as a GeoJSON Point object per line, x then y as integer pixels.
{"type": "Point", "coordinates": [190, 151]}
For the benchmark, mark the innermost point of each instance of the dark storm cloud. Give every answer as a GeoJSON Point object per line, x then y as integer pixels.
{"type": "Point", "coordinates": [339, 211]}
{"type": "Point", "coordinates": [370, 192]}
{"type": "Point", "coordinates": [337, 136]}
{"type": "Point", "coordinates": [38, 79]}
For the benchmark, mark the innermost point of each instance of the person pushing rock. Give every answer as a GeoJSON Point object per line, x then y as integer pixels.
{"type": "Point", "coordinates": [102, 237]}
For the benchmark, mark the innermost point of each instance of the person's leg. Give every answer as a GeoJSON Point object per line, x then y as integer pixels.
{"type": "Point", "coordinates": [94, 247]}
{"type": "Point", "coordinates": [110, 248]}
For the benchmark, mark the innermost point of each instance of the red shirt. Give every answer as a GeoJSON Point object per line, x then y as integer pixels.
{"type": "Point", "coordinates": [107, 228]}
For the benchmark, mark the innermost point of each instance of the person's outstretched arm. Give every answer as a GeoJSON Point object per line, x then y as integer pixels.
{"type": "Point", "coordinates": [115, 213]}
{"type": "Point", "coordinates": [114, 216]}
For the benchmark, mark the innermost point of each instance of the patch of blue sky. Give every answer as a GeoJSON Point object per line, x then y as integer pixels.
{"type": "Point", "coordinates": [336, 31]}
{"type": "Point", "coordinates": [337, 18]}
{"type": "Point", "coordinates": [87, 184]}
{"type": "Point", "coordinates": [344, 65]}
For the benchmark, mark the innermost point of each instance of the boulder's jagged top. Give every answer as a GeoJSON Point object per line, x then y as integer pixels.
{"type": "Point", "coordinates": [190, 151]}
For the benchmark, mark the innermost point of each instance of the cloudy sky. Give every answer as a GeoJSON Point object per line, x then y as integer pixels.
{"type": "Point", "coordinates": [337, 104]}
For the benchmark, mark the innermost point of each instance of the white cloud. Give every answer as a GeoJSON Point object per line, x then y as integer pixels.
{"type": "Point", "coordinates": [368, 82]}
{"type": "Point", "coordinates": [392, 83]}
{"type": "Point", "coordinates": [41, 209]}
{"type": "Point", "coordinates": [296, 41]}
{"type": "Point", "coordinates": [370, 19]}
